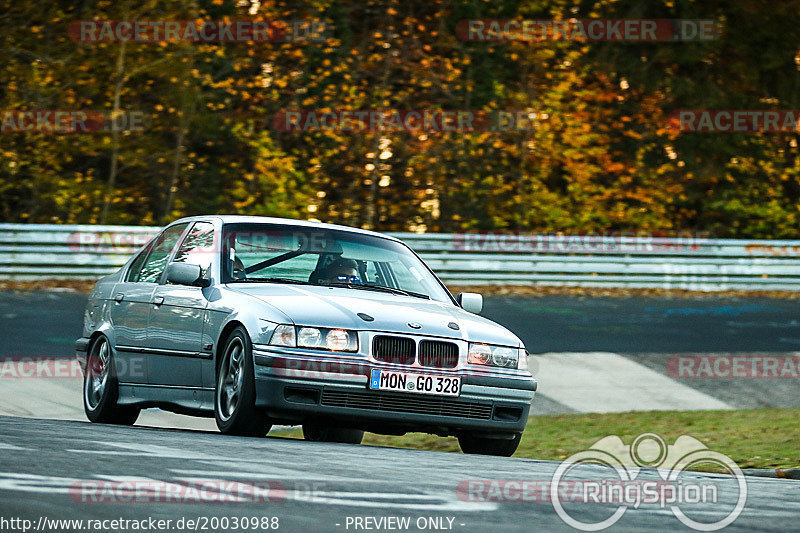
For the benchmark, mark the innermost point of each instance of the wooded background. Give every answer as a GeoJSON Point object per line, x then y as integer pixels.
{"type": "Point", "coordinates": [604, 160]}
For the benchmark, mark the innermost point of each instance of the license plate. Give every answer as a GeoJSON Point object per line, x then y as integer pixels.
{"type": "Point", "coordinates": [415, 383]}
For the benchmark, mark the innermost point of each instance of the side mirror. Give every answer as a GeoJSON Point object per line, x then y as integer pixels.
{"type": "Point", "coordinates": [470, 301]}
{"type": "Point", "coordinates": [185, 274]}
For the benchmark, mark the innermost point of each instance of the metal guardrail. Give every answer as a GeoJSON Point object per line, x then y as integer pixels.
{"type": "Point", "coordinates": [37, 251]}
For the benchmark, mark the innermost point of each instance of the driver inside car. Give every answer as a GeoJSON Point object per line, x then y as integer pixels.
{"type": "Point", "coordinates": [341, 270]}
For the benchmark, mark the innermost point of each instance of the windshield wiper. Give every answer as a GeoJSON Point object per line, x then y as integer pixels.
{"type": "Point", "coordinates": [271, 280]}
{"type": "Point", "coordinates": [379, 288]}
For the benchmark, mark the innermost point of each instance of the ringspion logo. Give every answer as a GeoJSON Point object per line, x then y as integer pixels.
{"type": "Point", "coordinates": [608, 474]}
{"type": "Point", "coordinates": [671, 490]}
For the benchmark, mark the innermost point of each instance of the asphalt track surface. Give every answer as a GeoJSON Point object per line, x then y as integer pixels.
{"type": "Point", "coordinates": [644, 331]}
{"type": "Point", "coordinates": [329, 487]}
{"type": "Point", "coordinates": [47, 466]}
{"type": "Point", "coordinates": [48, 322]}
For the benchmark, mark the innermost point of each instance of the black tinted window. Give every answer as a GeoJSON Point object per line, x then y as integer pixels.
{"type": "Point", "coordinates": [136, 266]}
{"type": "Point", "coordinates": [198, 247]}
{"type": "Point", "coordinates": [157, 260]}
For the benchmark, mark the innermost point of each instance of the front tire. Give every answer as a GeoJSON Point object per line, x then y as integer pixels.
{"type": "Point", "coordinates": [235, 395]}
{"type": "Point", "coordinates": [101, 388]}
{"type": "Point", "coordinates": [324, 433]}
{"type": "Point", "coordinates": [485, 446]}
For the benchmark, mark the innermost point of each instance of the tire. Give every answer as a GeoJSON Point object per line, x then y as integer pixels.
{"type": "Point", "coordinates": [324, 433]}
{"type": "Point", "coordinates": [101, 388]}
{"type": "Point", "coordinates": [485, 446]}
{"type": "Point", "coordinates": [235, 393]}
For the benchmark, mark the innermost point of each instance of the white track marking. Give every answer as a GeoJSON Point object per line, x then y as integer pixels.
{"type": "Point", "coordinates": [18, 482]}
{"type": "Point", "coordinates": [11, 447]}
{"type": "Point", "coordinates": [395, 500]}
{"type": "Point", "coordinates": [127, 479]}
{"type": "Point", "coordinates": [268, 472]}
{"type": "Point", "coordinates": [149, 450]}
{"type": "Point", "coordinates": [601, 382]}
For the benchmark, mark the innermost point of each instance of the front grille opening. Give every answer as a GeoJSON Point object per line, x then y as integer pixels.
{"type": "Point", "coordinates": [398, 350]}
{"type": "Point", "coordinates": [407, 403]}
{"type": "Point", "coordinates": [438, 354]}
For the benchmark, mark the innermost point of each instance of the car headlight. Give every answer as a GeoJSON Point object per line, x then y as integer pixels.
{"type": "Point", "coordinates": [487, 355]}
{"type": "Point", "coordinates": [309, 337]}
{"type": "Point", "coordinates": [336, 340]}
{"type": "Point", "coordinates": [284, 336]}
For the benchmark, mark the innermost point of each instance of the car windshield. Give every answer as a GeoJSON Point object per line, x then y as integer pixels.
{"type": "Point", "coordinates": [274, 253]}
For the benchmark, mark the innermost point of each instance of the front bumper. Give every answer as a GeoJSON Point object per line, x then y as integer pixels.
{"type": "Point", "coordinates": [296, 387]}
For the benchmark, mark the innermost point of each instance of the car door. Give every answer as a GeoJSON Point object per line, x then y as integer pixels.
{"type": "Point", "coordinates": [129, 314]}
{"type": "Point", "coordinates": [135, 298]}
{"type": "Point", "coordinates": [177, 317]}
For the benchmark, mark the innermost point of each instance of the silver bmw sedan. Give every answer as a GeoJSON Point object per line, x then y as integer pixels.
{"type": "Point", "coordinates": [262, 321]}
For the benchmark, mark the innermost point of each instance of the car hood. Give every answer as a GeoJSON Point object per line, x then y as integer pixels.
{"type": "Point", "coordinates": [339, 307]}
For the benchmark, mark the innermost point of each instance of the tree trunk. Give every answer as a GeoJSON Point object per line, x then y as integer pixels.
{"type": "Point", "coordinates": [112, 172]}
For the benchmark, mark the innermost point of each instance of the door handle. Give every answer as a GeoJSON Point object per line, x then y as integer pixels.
{"type": "Point", "coordinates": [119, 297]}
{"type": "Point", "coordinates": [158, 300]}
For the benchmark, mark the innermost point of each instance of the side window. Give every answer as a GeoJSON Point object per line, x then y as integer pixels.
{"type": "Point", "coordinates": [157, 260]}
{"type": "Point", "coordinates": [138, 263]}
{"type": "Point", "coordinates": [198, 247]}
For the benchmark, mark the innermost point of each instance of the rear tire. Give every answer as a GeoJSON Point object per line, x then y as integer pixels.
{"type": "Point", "coordinates": [324, 433]}
{"type": "Point", "coordinates": [485, 446]}
{"type": "Point", "coordinates": [235, 395]}
{"type": "Point", "coordinates": [101, 388]}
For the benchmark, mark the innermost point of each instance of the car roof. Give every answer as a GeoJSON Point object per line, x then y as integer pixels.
{"type": "Point", "coordinates": [238, 219]}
